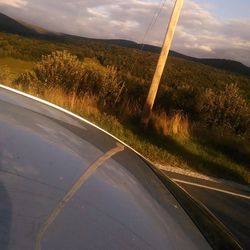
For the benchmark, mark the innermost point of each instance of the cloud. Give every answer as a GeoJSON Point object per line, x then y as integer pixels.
{"type": "Point", "coordinates": [13, 3]}
{"type": "Point", "coordinates": [202, 34]}
{"type": "Point", "coordinates": [199, 33]}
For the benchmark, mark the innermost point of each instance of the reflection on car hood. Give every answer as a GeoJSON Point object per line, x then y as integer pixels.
{"type": "Point", "coordinates": [64, 184]}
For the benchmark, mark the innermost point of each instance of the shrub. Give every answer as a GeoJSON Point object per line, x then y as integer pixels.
{"type": "Point", "coordinates": [27, 80]}
{"type": "Point", "coordinates": [111, 87]}
{"type": "Point", "coordinates": [182, 98]}
{"type": "Point", "coordinates": [4, 74]}
{"type": "Point", "coordinates": [136, 88]}
{"type": "Point", "coordinates": [226, 108]}
{"type": "Point", "coordinates": [92, 76]}
{"type": "Point", "coordinates": [60, 68]}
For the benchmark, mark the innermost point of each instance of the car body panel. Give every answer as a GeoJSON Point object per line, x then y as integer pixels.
{"type": "Point", "coordinates": [122, 204]}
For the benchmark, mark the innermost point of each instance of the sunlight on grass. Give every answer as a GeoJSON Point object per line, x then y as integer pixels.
{"type": "Point", "coordinates": [177, 151]}
{"type": "Point", "coordinates": [16, 65]}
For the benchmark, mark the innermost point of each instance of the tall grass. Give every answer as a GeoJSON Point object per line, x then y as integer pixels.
{"type": "Point", "coordinates": [99, 94]}
{"type": "Point", "coordinates": [175, 124]}
{"type": "Point", "coordinates": [174, 145]}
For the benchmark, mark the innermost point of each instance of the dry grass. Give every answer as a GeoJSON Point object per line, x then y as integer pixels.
{"type": "Point", "coordinates": [87, 105]}
{"type": "Point", "coordinates": [130, 109]}
{"type": "Point", "coordinates": [84, 104]}
{"type": "Point", "coordinates": [177, 124]}
{"type": "Point", "coordinates": [182, 150]}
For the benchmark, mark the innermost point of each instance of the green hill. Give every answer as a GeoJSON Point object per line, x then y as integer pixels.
{"type": "Point", "coordinates": [12, 26]}
{"type": "Point", "coordinates": [210, 150]}
{"type": "Point", "coordinates": [178, 70]}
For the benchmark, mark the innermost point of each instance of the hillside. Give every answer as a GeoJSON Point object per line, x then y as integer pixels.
{"type": "Point", "coordinates": [9, 25]}
{"type": "Point", "coordinates": [206, 150]}
{"type": "Point", "coordinates": [210, 113]}
{"type": "Point", "coordinates": [33, 42]}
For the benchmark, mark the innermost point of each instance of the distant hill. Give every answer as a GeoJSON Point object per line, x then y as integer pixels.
{"type": "Point", "coordinates": [229, 65]}
{"type": "Point", "coordinates": [10, 25]}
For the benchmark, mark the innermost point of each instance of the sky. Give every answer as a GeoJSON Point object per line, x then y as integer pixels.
{"type": "Point", "coordinates": [207, 28]}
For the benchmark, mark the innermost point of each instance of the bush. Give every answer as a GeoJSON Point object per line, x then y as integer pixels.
{"type": "Point", "coordinates": [111, 87]}
{"type": "Point", "coordinates": [61, 69]}
{"type": "Point", "coordinates": [225, 108]}
{"type": "Point", "coordinates": [93, 75]}
{"type": "Point", "coordinates": [27, 80]}
{"type": "Point", "coordinates": [181, 98]}
{"type": "Point", "coordinates": [58, 69]}
{"type": "Point", "coordinates": [4, 74]}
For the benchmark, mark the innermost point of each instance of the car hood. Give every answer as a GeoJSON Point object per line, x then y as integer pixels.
{"type": "Point", "coordinates": [64, 184]}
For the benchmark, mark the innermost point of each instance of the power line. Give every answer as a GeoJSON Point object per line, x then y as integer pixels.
{"type": "Point", "coordinates": [153, 20]}
{"type": "Point", "coordinates": [149, 28]}
{"type": "Point", "coordinates": [161, 63]}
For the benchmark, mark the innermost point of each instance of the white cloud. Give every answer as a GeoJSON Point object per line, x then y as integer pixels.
{"type": "Point", "coordinates": [202, 34]}
{"type": "Point", "coordinates": [13, 3]}
{"type": "Point", "coordinates": [199, 32]}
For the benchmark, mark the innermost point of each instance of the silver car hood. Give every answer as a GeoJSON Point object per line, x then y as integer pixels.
{"type": "Point", "coordinates": [64, 184]}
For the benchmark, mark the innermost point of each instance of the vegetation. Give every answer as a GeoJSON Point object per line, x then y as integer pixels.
{"type": "Point", "coordinates": [226, 108]}
{"type": "Point", "coordinates": [4, 74]}
{"type": "Point", "coordinates": [195, 102]}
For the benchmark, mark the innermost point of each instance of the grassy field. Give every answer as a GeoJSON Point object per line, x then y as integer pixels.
{"type": "Point", "coordinates": [16, 66]}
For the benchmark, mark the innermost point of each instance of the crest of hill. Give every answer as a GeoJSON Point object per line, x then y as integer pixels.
{"type": "Point", "coordinates": [12, 26]}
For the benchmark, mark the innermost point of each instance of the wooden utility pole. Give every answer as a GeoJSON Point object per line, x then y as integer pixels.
{"type": "Point", "coordinates": [161, 63]}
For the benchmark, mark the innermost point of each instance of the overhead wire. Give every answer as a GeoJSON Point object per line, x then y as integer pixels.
{"type": "Point", "coordinates": [149, 28]}
{"type": "Point", "coordinates": [153, 21]}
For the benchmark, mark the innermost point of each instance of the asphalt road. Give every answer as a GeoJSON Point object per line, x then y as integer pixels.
{"type": "Point", "coordinates": [230, 204]}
